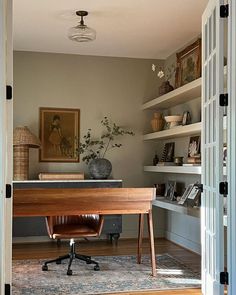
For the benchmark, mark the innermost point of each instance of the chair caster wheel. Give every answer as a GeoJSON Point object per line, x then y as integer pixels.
{"type": "Point", "coordinates": [69, 272]}
{"type": "Point", "coordinates": [88, 262]}
{"type": "Point", "coordinates": [96, 267]}
{"type": "Point", "coordinates": [44, 267]}
{"type": "Point", "coordinates": [58, 262]}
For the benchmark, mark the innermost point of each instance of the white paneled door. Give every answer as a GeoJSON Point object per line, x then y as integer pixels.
{"type": "Point", "coordinates": [212, 148]}
{"type": "Point", "coordinates": [231, 150]}
{"type": "Point", "coordinates": [5, 145]}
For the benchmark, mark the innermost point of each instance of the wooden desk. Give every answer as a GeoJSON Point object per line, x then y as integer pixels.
{"type": "Point", "coordinates": [73, 201]}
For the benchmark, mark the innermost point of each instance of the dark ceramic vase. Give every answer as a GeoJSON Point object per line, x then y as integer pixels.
{"type": "Point", "coordinates": [100, 168]}
{"type": "Point", "coordinates": [165, 88]}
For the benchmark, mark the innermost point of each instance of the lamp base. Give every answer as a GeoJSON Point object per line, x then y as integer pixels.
{"type": "Point", "coordinates": [21, 162]}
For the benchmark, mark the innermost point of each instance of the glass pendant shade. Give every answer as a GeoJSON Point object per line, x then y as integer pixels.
{"type": "Point", "coordinates": [81, 33]}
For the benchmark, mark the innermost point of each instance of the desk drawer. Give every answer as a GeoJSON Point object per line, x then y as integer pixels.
{"type": "Point", "coordinates": [112, 224]}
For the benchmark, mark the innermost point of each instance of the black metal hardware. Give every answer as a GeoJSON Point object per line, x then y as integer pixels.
{"type": "Point", "coordinates": [199, 186]}
{"type": "Point", "coordinates": [224, 100]}
{"type": "Point", "coordinates": [7, 289]}
{"type": "Point", "coordinates": [8, 191]}
{"type": "Point", "coordinates": [223, 188]}
{"type": "Point", "coordinates": [8, 92]}
{"type": "Point", "coordinates": [224, 10]}
{"type": "Point", "coordinates": [224, 278]}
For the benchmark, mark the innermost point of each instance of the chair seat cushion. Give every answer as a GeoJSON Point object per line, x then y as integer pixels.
{"type": "Point", "coordinates": [73, 231]}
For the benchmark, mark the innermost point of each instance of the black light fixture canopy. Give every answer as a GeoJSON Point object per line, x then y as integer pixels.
{"type": "Point", "coordinates": [81, 32]}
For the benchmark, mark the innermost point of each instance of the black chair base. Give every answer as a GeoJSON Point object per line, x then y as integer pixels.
{"type": "Point", "coordinates": [71, 256]}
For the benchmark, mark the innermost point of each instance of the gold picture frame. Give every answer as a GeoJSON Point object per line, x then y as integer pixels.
{"type": "Point", "coordinates": [188, 64]}
{"type": "Point", "coordinates": [59, 134]}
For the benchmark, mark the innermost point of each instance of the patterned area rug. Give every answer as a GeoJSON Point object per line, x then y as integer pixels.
{"type": "Point", "coordinates": [117, 274]}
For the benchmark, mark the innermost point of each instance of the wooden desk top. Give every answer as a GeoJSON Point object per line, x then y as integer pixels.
{"type": "Point", "coordinates": [73, 201]}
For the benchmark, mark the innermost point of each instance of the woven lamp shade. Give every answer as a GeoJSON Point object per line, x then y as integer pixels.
{"type": "Point", "coordinates": [23, 139]}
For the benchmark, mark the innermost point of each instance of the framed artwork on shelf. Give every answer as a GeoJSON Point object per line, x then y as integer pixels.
{"type": "Point", "coordinates": [188, 64]}
{"type": "Point", "coordinates": [194, 148]}
{"type": "Point", "coordinates": [170, 189]}
{"type": "Point", "coordinates": [193, 196]}
{"type": "Point", "coordinates": [184, 197]}
{"type": "Point", "coordinates": [168, 152]}
{"type": "Point", "coordinates": [59, 134]}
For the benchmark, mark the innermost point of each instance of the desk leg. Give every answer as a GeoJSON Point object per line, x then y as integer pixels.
{"type": "Point", "coordinates": [140, 237]}
{"type": "Point", "coordinates": [152, 245]}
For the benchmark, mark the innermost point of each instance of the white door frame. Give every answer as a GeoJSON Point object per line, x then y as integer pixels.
{"type": "Point", "coordinates": [212, 149]}
{"type": "Point", "coordinates": [6, 158]}
{"type": "Point", "coordinates": [231, 149]}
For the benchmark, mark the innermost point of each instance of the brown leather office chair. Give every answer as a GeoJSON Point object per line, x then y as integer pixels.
{"type": "Point", "coordinates": [70, 227]}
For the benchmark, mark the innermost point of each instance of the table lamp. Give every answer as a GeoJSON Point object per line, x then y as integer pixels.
{"type": "Point", "coordinates": [23, 139]}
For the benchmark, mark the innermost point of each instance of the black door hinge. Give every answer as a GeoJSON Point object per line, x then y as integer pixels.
{"type": "Point", "coordinates": [224, 100]}
{"type": "Point", "coordinates": [224, 10]}
{"type": "Point", "coordinates": [223, 188]}
{"type": "Point", "coordinates": [199, 186]}
{"type": "Point", "coordinates": [8, 92]}
{"type": "Point", "coordinates": [8, 191]}
{"type": "Point", "coordinates": [7, 289]}
{"type": "Point", "coordinates": [224, 278]}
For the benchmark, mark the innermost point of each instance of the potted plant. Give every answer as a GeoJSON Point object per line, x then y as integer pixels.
{"type": "Point", "coordinates": [95, 150]}
{"type": "Point", "coordinates": [165, 86]}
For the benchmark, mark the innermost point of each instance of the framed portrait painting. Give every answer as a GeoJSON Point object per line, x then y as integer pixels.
{"type": "Point", "coordinates": [59, 134]}
{"type": "Point", "coordinates": [188, 64]}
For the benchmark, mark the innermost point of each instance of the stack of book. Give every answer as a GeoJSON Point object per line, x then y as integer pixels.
{"type": "Point", "coordinates": [193, 161]}
{"type": "Point", "coordinates": [61, 176]}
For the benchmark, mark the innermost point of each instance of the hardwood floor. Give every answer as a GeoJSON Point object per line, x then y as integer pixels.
{"type": "Point", "coordinates": [125, 247]}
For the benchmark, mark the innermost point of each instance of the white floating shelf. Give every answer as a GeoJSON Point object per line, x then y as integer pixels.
{"type": "Point", "coordinates": [178, 131]}
{"type": "Point", "coordinates": [174, 169]}
{"type": "Point", "coordinates": [177, 96]}
{"type": "Point", "coordinates": [161, 202]}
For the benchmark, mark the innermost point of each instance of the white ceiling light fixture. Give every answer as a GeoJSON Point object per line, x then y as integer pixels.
{"type": "Point", "coordinates": [81, 33]}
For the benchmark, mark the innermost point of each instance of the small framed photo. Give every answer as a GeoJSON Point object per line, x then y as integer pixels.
{"type": "Point", "coordinates": [193, 196]}
{"type": "Point", "coordinates": [188, 64]}
{"type": "Point", "coordinates": [184, 197]}
{"type": "Point", "coordinates": [194, 148]}
{"type": "Point", "coordinates": [59, 134]}
{"type": "Point", "coordinates": [186, 118]}
{"type": "Point", "coordinates": [170, 189]}
{"type": "Point", "coordinates": [168, 152]}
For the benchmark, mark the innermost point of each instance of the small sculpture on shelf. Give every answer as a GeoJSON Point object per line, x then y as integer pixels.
{"type": "Point", "coordinates": [157, 122]}
{"type": "Point", "coordinates": [178, 161]}
{"type": "Point", "coordinates": [155, 160]}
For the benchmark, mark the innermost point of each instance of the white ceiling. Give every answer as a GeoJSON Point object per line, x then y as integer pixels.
{"type": "Point", "coordinates": [125, 28]}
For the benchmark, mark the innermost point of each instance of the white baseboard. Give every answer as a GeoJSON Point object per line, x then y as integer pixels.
{"type": "Point", "coordinates": [188, 244]}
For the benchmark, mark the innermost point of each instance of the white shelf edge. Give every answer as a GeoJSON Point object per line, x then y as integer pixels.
{"type": "Point", "coordinates": [161, 202]}
{"type": "Point", "coordinates": [177, 131]}
{"type": "Point", "coordinates": [179, 95]}
{"type": "Point", "coordinates": [174, 169]}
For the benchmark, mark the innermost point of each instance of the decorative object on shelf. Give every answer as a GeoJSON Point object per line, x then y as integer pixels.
{"type": "Point", "coordinates": [168, 152]}
{"type": "Point", "coordinates": [59, 129]}
{"type": "Point", "coordinates": [173, 121]}
{"type": "Point", "coordinates": [160, 189]}
{"type": "Point", "coordinates": [157, 122]}
{"type": "Point", "coordinates": [96, 149]}
{"type": "Point", "coordinates": [188, 64]}
{"type": "Point", "coordinates": [81, 32]}
{"type": "Point", "coordinates": [194, 153]}
{"type": "Point", "coordinates": [155, 160]}
{"type": "Point", "coordinates": [165, 87]}
{"type": "Point", "coordinates": [23, 139]}
{"type": "Point", "coordinates": [186, 118]}
{"type": "Point", "coordinates": [178, 161]}
{"type": "Point", "coordinates": [170, 190]}
{"type": "Point", "coordinates": [167, 75]}
{"type": "Point", "coordinates": [191, 195]}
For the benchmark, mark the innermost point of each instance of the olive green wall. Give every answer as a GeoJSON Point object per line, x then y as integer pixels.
{"type": "Point", "coordinates": [98, 86]}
